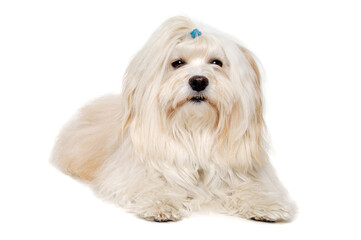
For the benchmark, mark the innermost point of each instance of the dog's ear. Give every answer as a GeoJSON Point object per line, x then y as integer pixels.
{"type": "Point", "coordinates": [247, 144]}
{"type": "Point", "coordinates": [253, 139]}
{"type": "Point", "coordinates": [143, 79]}
{"type": "Point", "coordinates": [252, 61]}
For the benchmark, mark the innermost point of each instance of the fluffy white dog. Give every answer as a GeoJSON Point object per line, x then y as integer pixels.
{"type": "Point", "coordinates": [185, 133]}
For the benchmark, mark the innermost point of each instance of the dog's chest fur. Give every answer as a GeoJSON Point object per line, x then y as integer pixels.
{"type": "Point", "coordinates": [193, 132]}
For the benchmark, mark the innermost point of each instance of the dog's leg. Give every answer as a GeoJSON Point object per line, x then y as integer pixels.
{"type": "Point", "coordinates": [140, 189]}
{"type": "Point", "coordinates": [258, 197]}
{"type": "Point", "coordinates": [160, 201]}
{"type": "Point", "coordinates": [159, 206]}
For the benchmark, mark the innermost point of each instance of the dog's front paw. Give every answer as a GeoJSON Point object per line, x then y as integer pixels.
{"type": "Point", "coordinates": [272, 217]}
{"type": "Point", "coordinates": [262, 219]}
{"type": "Point", "coordinates": [163, 213]}
{"type": "Point", "coordinates": [272, 213]}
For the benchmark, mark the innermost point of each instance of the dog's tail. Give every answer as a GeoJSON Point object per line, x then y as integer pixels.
{"type": "Point", "coordinates": [89, 139]}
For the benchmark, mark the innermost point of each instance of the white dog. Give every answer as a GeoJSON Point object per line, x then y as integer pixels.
{"type": "Point", "coordinates": [185, 133]}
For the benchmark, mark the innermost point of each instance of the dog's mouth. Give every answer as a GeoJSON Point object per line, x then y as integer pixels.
{"type": "Point", "coordinates": [198, 99]}
{"type": "Point", "coordinates": [201, 100]}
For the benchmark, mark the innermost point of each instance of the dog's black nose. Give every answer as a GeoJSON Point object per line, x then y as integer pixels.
{"type": "Point", "coordinates": [198, 83]}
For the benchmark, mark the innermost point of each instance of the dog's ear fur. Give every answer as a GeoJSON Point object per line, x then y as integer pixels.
{"type": "Point", "coordinates": [142, 82]}
{"type": "Point", "coordinates": [247, 141]}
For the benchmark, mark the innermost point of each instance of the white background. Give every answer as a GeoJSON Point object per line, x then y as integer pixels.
{"type": "Point", "coordinates": [57, 55]}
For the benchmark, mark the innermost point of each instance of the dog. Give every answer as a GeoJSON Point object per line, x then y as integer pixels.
{"type": "Point", "coordinates": [186, 132]}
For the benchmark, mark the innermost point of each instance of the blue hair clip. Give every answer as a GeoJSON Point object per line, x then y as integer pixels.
{"type": "Point", "coordinates": [195, 33]}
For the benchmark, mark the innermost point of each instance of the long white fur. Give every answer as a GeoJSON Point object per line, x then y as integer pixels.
{"type": "Point", "coordinates": [161, 156]}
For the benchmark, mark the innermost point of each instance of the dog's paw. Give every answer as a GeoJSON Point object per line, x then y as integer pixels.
{"type": "Point", "coordinates": [262, 219]}
{"type": "Point", "coordinates": [275, 213]}
{"type": "Point", "coordinates": [272, 217]}
{"type": "Point", "coordinates": [164, 213]}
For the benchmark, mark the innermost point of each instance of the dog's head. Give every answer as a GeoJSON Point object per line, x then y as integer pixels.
{"type": "Point", "coordinates": [203, 81]}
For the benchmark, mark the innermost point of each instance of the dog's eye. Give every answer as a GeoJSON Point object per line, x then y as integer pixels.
{"type": "Point", "coordinates": [216, 62]}
{"type": "Point", "coordinates": [178, 63]}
